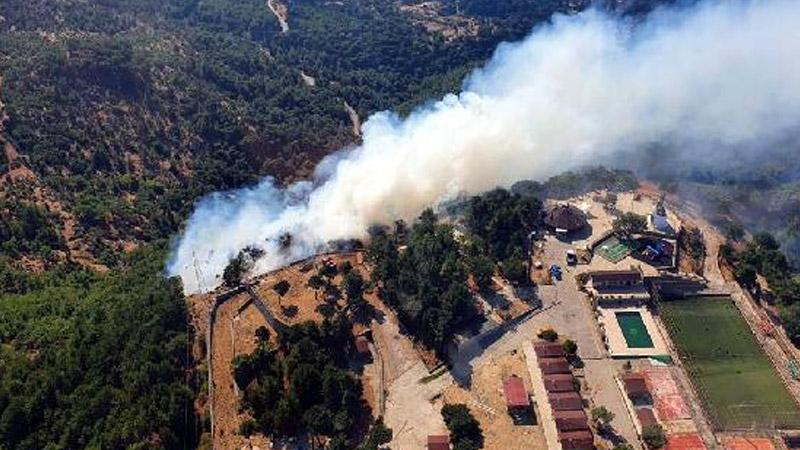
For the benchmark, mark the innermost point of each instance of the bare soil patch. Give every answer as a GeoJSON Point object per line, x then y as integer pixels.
{"type": "Point", "coordinates": [431, 16]}
{"type": "Point", "coordinates": [486, 401]}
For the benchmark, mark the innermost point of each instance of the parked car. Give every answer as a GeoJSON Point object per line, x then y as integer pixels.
{"type": "Point", "coordinates": [572, 258]}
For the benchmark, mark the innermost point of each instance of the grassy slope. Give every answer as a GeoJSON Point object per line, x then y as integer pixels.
{"type": "Point", "coordinates": [728, 362]}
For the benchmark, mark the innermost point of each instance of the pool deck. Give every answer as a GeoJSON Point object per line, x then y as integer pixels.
{"type": "Point", "coordinates": [615, 339]}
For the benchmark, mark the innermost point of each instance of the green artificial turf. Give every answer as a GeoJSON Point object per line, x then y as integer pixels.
{"type": "Point", "coordinates": [615, 250]}
{"type": "Point", "coordinates": [740, 387]}
{"type": "Point", "coordinates": [634, 330]}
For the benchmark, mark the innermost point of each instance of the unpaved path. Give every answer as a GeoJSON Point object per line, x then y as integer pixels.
{"type": "Point", "coordinates": [281, 13]}
{"type": "Point", "coordinates": [3, 115]}
{"type": "Point", "coordinates": [412, 408]}
{"type": "Point", "coordinates": [354, 119]}
{"type": "Point", "coordinates": [227, 417]}
{"type": "Point", "coordinates": [308, 80]}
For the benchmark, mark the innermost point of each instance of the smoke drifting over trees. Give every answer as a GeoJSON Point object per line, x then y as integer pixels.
{"type": "Point", "coordinates": [701, 82]}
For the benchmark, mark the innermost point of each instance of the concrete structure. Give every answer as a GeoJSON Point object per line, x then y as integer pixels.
{"type": "Point", "coordinates": [545, 412]}
{"type": "Point", "coordinates": [618, 287]}
{"type": "Point", "coordinates": [659, 222]}
{"type": "Point", "coordinates": [615, 338]}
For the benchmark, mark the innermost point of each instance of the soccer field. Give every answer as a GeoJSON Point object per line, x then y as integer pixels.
{"type": "Point", "coordinates": [740, 387]}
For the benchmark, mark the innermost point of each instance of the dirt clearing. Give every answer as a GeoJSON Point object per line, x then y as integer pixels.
{"type": "Point", "coordinates": [487, 403]}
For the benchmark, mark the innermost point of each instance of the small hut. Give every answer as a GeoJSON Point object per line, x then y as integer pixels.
{"type": "Point", "coordinates": [564, 218]}
{"type": "Point", "coordinates": [516, 395]}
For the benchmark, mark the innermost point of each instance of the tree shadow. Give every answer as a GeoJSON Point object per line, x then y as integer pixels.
{"type": "Point", "coordinates": [289, 311]}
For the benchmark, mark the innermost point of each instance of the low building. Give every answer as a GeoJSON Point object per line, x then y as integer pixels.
{"type": "Point", "coordinates": [646, 417]}
{"type": "Point", "coordinates": [576, 440]}
{"type": "Point", "coordinates": [565, 401]}
{"type": "Point", "coordinates": [636, 389]}
{"type": "Point", "coordinates": [658, 221]}
{"type": "Point", "coordinates": [574, 420]}
{"type": "Point", "coordinates": [550, 366]}
{"type": "Point", "coordinates": [618, 287]}
{"type": "Point", "coordinates": [546, 349]}
{"type": "Point", "coordinates": [562, 382]}
{"type": "Point", "coordinates": [516, 395]}
{"type": "Point", "coordinates": [565, 219]}
{"type": "Point", "coordinates": [439, 442]}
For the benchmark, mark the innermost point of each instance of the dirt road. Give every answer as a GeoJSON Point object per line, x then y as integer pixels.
{"type": "Point", "coordinates": [227, 417]}
{"type": "Point", "coordinates": [281, 13]}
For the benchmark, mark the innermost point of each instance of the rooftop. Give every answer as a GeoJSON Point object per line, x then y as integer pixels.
{"type": "Point", "coordinates": [646, 416]}
{"type": "Point", "coordinates": [566, 217]}
{"type": "Point", "coordinates": [616, 276]}
{"type": "Point", "coordinates": [439, 442]}
{"type": "Point", "coordinates": [565, 401]}
{"type": "Point", "coordinates": [516, 395]}
{"type": "Point", "coordinates": [571, 420]}
{"type": "Point", "coordinates": [576, 440]}
{"type": "Point", "coordinates": [550, 366]}
{"type": "Point", "coordinates": [559, 383]}
{"type": "Point", "coordinates": [548, 349]}
{"type": "Point", "coordinates": [635, 385]}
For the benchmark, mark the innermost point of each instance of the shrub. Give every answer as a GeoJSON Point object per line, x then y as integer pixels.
{"type": "Point", "coordinates": [281, 287]}
{"type": "Point", "coordinates": [548, 334]}
{"type": "Point", "coordinates": [570, 347]}
{"type": "Point", "coordinates": [653, 436]}
{"type": "Point", "coordinates": [465, 432]}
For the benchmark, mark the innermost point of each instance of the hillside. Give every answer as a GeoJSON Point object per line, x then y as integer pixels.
{"type": "Point", "coordinates": [118, 115]}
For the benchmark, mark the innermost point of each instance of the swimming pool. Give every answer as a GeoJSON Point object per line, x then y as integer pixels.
{"type": "Point", "coordinates": [634, 330]}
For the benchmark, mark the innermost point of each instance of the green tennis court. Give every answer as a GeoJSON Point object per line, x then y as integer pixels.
{"type": "Point", "coordinates": [615, 250]}
{"type": "Point", "coordinates": [634, 330]}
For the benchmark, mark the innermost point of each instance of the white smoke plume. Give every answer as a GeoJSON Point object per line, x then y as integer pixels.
{"type": "Point", "coordinates": [579, 90]}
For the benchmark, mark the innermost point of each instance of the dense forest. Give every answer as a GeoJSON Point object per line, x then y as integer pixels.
{"type": "Point", "coordinates": [426, 283]}
{"type": "Point", "coordinates": [322, 397]}
{"type": "Point", "coordinates": [95, 361]}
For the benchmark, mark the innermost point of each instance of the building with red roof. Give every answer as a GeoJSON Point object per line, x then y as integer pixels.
{"type": "Point", "coordinates": [548, 349]}
{"type": "Point", "coordinates": [565, 401]}
{"type": "Point", "coordinates": [636, 388]}
{"type": "Point", "coordinates": [560, 382]}
{"type": "Point", "coordinates": [576, 440]}
{"type": "Point", "coordinates": [550, 366]}
{"type": "Point", "coordinates": [646, 416]}
{"type": "Point", "coordinates": [439, 442]}
{"type": "Point", "coordinates": [571, 420]}
{"type": "Point", "coordinates": [516, 394]}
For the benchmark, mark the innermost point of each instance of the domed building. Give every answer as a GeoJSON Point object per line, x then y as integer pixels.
{"type": "Point", "coordinates": [564, 218]}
